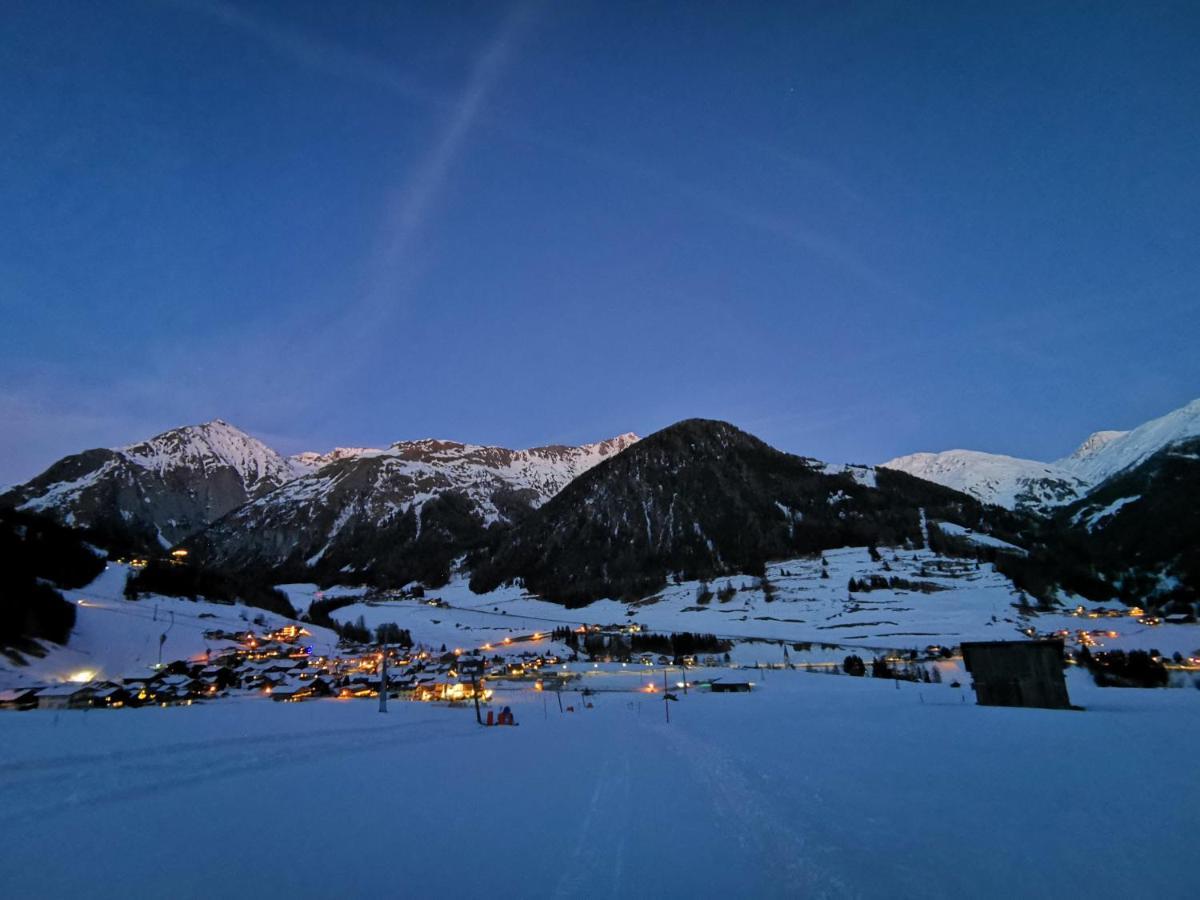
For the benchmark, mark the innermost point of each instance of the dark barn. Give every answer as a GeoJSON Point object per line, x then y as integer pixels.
{"type": "Point", "coordinates": [730, 687]}
{"type": "Point", "coordinates": [1017, 673]}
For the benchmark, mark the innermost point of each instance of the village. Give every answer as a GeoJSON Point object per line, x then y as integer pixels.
{"type": "Point", "coordinates": [289, 661]}
{"type": "Point", "coordinates": [283, 666]}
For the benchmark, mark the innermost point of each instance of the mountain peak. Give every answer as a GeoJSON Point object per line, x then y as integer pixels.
{"type": "Point", "coordinates": [1094, 443]}
{"type": "Point", "coordinates": [1126, 449]}
{"type": "Point", "coordinates": [212, 443]}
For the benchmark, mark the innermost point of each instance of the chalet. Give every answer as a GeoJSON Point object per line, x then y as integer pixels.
{"type": "Point", "coordinates": [141, 690]}
{"type": "Point", "coordinates": [110, 696]}
{"type": "Point", "coordinates": [65, 696]}
{"type": "Point", "coordinates": [469, 667]}
{"type": "Point", "coordinates": [295, 690]}
{"type": "Point", "coordinates": [20, 698]}
{"type": "Point", "coordinates": [1017, 673]}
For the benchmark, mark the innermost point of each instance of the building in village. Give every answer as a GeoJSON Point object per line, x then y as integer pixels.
{"type": "Point", "coordinates": [19, 698]}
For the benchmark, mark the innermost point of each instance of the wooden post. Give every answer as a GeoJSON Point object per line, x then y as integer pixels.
{"type": "Point", "coordinates": [666, 702]}
{"type": "Point", "coordinates": [383, 682]}
{"type": "Point", "coordinates": [475, 693]}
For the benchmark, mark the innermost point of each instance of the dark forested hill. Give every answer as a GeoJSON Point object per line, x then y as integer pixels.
{"type": "Point", "coordinates": [701, 498]}
{"type": "Point", "coordinates": [38, 556]}
{"type": "Point", "coordinates": [1141, 528]}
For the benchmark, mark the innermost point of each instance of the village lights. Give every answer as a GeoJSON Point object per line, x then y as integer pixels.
{"type": "Point", "coordinates": [83, 676]}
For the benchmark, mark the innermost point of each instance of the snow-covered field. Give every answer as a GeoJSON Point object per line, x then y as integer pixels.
{"type": "Point", "coordinates": [116, 638]}
{"type": "Point", "coordinates": [975, 604]}
{"type": "Point", "coordinates": [811, 786]}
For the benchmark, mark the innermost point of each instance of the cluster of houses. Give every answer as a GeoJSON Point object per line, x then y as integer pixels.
{"type": "Point", "coordinates": [281, 666]}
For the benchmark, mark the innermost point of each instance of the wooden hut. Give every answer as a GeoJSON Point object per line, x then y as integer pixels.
{"type": "Point", "coordinates": [1017, 673]}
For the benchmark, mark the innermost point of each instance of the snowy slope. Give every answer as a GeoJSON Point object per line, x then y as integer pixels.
{"type": "Point", "coordinates": [1040, 487]}
{"type": "Point", "coordinates": [993, 478]}
{"type": "Point", "coordinates": [1093, 445]}
{"type": "Point", "coordinates": [308, 462]}
{"type": "Point", "coordinates": [810, 786]}
{"type": "Point", "coordinates": [1122, 450]}
{"type": "Point", "coordinates": [971, 603]}
{"type": "Point", "coordinates": [115, 638]}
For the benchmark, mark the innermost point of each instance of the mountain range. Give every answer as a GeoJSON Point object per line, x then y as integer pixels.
{"type": "Point", "coordinates": [1041, 487]}
{"type": "Point", "coordinates": [155, 493]}
{"type": "Point", "coordinates": [623, 516]}
{"type": "Point", "coordinates": [398, 514]}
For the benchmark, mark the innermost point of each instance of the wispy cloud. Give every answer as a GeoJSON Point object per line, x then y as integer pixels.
{"type": "Point", "coordinates": [392, 264]}
{"type": "Point", "coordinates": [466, 112]}
{"type": "Point", "coordinates": [412, 204]}
{"type": "Point", "coordinates": [312, 52]}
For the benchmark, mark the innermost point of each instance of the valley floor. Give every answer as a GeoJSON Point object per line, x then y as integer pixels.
{"type": "Point", "coordinates": [812, 785]}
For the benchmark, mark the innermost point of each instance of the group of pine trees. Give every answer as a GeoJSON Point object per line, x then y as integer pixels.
{"type": "Point", "coordinates": [40, 557]}
{"type": "Point", "coordinates": [881, 667]}
{"type": "Point", "coordinates": [1116, 668]}
{"type": "Point", "coordinates": [892, 583]}
{"type": "Point", "coordinates": [704, 593]}
{"type": "Point", "coordinates": [624, 647]}
{"type": "Point", "coordinates": [174, 579]}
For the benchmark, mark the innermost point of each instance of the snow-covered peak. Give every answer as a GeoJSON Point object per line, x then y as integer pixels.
{"type": "Point", "coordinates": [1038, 486]}
{"type": "Point", "coordinates": [613, 444]}
{"type": "Point", "coordinates": [994, 478]}
{"type": "Point", "coordinates": [212, 445]}
{"type": "Point", "coordinates": [1094, 444]}
{"type": "Point", "coordinates": [310, 461]}
{"type": "Point", "coordinates": [1130, 448]}
{"type": "Point", "coordinates": [442, 449]}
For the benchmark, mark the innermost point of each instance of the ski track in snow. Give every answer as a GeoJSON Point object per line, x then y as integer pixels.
{"type": "Point", "coordinates": [35, 788]}
{"type": "Point", "coordinates": [762, 831]}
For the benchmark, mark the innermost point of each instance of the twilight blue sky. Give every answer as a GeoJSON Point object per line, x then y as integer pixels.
{"type": "Point", "coordinates": [854, 229]}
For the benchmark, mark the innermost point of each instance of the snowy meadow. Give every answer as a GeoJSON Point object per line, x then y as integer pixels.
{"type": "Point", "coordinates": [811, 785]}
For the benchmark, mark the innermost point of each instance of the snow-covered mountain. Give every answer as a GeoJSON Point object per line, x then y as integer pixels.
{"type": "Point", "coordinates": [993, 478]}
{"type": "Point", "coordinates": [1040, 487]}
{"type": "Point", "coordinates": [308, 462]}
{"type": "Point", "coordinates": [1118, 451]}
{"type": "Point", "coordinates": [158, 491]}
{"type": "Point", "coordinates": [703, 498]}
{"type": "Point", "coordinates": [398, 509]}
{"type": "Point", "coordinates": [1093, 445]}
